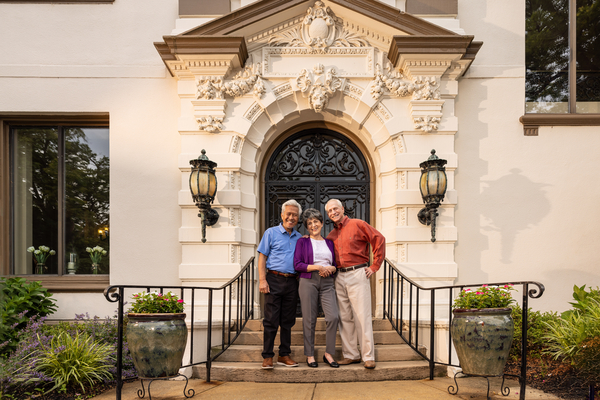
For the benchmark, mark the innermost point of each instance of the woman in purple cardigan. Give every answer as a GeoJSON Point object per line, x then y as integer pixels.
{"type": "Point", "coordinates": [314, 259]}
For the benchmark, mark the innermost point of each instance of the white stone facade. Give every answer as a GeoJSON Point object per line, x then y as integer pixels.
{"type": "Point", "coordinates": [517, 207]}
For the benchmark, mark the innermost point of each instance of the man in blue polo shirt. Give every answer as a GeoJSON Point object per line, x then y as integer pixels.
{"type": "Point", "coordinates": [279, 283]}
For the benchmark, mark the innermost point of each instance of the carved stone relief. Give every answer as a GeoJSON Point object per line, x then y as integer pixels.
{"type": "Point", "coordinates": [210, 124]}
{"type": "Point", "coordinates": [319, 31]}
{"type": "Point", "coordinates": [318, 85]}
{"type": "Point", "coordinates": [209, 106]}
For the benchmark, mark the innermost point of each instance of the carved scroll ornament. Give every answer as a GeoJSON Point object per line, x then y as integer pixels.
{"type": "Point", "coordinates": [210, 124]}
{"type": "Point", "coordinates": [246, 81]}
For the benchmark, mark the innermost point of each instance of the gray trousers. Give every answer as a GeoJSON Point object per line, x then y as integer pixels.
{"type": "Point", "coordinates": [309, 291]}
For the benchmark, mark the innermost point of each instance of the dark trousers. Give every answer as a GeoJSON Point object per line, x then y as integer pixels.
{"type": "Point", "coordinates": [280, 312]}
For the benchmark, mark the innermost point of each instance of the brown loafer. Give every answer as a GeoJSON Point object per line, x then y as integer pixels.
{"type": "Point", "coordinates": [267, 363]}
{"type": "Point", "coordinates": [370, 364]}
{"type": "Point", "coordinates": [348, 361]}
{"type": "Point", "coordinates": [287, 361]}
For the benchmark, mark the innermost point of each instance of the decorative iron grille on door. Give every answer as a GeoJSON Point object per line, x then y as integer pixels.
{"type": "Point", "coordinates": [313, 166]}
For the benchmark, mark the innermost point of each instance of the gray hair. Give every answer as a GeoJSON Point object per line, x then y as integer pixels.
{"type": "Point", "coordinates": [292, 203]}
{"type": "Point", "coordinates": [311, 213]}
{"type": "Point", "coordinates": [339, 203]}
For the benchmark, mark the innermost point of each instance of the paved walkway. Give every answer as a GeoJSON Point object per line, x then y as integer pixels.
{"type": "Point", "coordinates": [469, 388]}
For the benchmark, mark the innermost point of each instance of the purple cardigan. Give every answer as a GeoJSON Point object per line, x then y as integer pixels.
{"type": "Point", "coordinates": [303, 257]}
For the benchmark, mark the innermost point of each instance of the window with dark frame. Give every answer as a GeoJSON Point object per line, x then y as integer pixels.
{"type": "Point", "coordinates": [562, 56]}
{"type": "Point", "coordinates": [59, 197]}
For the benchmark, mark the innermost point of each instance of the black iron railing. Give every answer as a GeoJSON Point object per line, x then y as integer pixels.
{"type": "Point", "coordinates": [236, 301]}
{"type": "Point", "coordinates": [402, 304]}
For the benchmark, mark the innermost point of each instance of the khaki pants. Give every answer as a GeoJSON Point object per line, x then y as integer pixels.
{"type": "Point", "coordinates": [356, 325]}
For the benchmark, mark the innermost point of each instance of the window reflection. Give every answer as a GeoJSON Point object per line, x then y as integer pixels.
{"type": "Point", "coordinates": [37, 180]}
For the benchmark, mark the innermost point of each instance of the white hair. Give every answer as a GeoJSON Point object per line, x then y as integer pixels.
{"type": "Point", "coordinates": [339, 203]}
{"type": "Point", "coordinates": [292, 203]}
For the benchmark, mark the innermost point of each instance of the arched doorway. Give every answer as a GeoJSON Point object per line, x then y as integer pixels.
{"type": "Point", "coordinates": [313, 166]}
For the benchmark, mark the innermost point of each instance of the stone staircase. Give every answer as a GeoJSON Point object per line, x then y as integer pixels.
{"type": "Point", "coordinates": [242, 361]}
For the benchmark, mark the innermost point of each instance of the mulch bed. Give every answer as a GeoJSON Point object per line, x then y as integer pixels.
{"type": "Point", "coordinates": [554, 377]}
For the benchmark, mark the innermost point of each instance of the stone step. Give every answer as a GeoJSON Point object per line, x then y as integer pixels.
{"type": "Point", "coordinates": [252, 372]}
{"type": "Point", "coordinates": [253, 353]}
{"type": "Point", "coordinates": [255, 325]}
{"type": "Point", "coordinates": [256, 338]}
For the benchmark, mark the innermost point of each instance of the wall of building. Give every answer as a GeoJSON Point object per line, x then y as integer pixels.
{"type": "Point", "coordinates": [526, 204]}
{"type": "Point", "coordinates": [69, 58]}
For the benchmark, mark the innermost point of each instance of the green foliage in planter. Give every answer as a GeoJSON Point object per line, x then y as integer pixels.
{"type": "Point", "coordinates": [155, 302]}
{"type": "Point", "coordinates": [20, 300]}
{"type": "Point", "coordinates": [536, 330]}
{"type": "Point", "coordinates": [75, 360]}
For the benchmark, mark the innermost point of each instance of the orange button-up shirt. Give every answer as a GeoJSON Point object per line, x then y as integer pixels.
{"type": "Point", "coordinates": [351, 238]}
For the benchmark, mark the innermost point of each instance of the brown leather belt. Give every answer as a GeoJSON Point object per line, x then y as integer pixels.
{"type": "Point", "coordinates": [282, 274]}
{"type": "Point", "coordinates": [359, 266]}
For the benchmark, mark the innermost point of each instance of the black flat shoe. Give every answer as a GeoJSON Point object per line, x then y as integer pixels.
{"type": "Point", "coordinates": [332, 364]}
{"type": "Point", "coordinates": [312, 364]}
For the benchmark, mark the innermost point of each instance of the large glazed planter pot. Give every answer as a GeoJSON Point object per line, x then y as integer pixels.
{"type": "Point", "coordinates": [157, 343]}
{"type": "Point", "coordinates": [482, 339]}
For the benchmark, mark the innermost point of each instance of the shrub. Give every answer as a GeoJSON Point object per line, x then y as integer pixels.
{"type": "Point", "coordinates": [587, 361]}
{"type": "Point", "coordinates": [18, 371]}
{"type": "Point", "coordinates": [75, 360]}
{"type": "Point", "coordinates": [566, 335]}
{"type": "Point", "coordinates": [19, 302]}
{"type": "Point", "coordinates": [103, 331]}
{"type": "Point", "coordinates": [582, 299]}
{"type": "Point", "coordinates": [536, 330]}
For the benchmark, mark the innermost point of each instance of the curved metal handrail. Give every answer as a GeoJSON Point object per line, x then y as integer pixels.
{"type": "Point", "coordinates": [392, 275]}
{"type": "Point", "coordinates": [244, 304]}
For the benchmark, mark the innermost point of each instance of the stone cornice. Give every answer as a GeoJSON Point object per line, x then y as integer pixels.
{"type": "Point", "coordinates": [203, 46]}
{"type": "Point", "coordinates": [376, 10]}
{"type": "Point", "coordinates": [393, 17]}
{"type": "Point", "coordinates": [421, 44]}
{"type": "Point", "coordinates": [243, 17]}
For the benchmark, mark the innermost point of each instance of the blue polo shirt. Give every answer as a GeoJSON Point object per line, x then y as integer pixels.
{"type": "Point", "coordinates": [279, 247]}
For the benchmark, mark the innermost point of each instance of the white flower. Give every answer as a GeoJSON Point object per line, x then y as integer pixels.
{"type": "Point", "coordinates": [30, 249]}
{"type": "Point", "coordinates": [52, 252]}
{"type": "Point", "coordinates": [103, 252]}
{"type": "Point", "coordinates": [44, 249]}
{"type": "Point", "coordinates": [97, 249]}
{"type": "Point", "coordinates": [36, 252]}
{"type": "Point", "coordinates": [88, 249]}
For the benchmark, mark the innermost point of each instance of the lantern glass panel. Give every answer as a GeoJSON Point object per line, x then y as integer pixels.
{"type": "Point", "coordinates": [194, 182]}
{"type": "Point", "coordinates": [212, 184]}
{"type": "Point", "coordinates": [424, 184]}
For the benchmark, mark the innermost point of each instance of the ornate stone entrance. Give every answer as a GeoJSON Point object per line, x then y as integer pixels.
{"type": "Point", "coordinates": [313, 166]}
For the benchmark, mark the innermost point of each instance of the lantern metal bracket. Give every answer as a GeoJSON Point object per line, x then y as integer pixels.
{"type": "Point", "coordinates": [428, 216]}
{"type": "Point", "coordinates": [209, 217]}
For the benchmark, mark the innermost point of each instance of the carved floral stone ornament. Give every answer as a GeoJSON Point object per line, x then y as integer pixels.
{"type": "Point", "coordinates": [427, 124]}
{"type": "Point", "coordinates": [388, 81]}
{"type": "Point", "coordinates": [319, 86]}
{"type": "Point", "coordinates": [426, 88]}
{"type": "Point", "coordinates": [210, 124]}
{"type": "Point", "coordinates": [246, 81]}
{"type": "Point", "coordinates": [319, 31]}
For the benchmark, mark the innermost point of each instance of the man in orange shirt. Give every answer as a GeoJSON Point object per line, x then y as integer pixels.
{"type": "Point", "coordinates": [351, 238]}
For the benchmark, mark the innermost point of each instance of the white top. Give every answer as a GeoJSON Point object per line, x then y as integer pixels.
{"type": "Point", "coordinates": [321, 253]}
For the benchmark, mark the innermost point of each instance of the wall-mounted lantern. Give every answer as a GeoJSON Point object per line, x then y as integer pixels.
{"type": "Point", "coordinates": [433, 188]}
{"type": "Point", "coordinates": [203, 185]}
